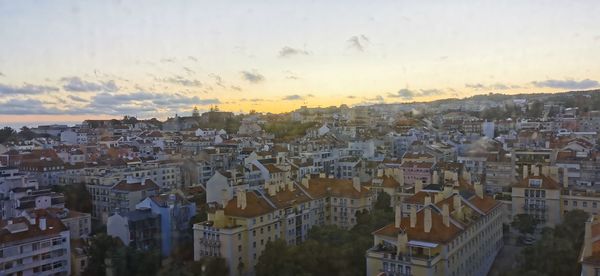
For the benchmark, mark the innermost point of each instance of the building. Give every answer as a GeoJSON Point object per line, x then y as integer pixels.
{"type": "Point", "coordinates": [538, 196]}
{"type": "Point", "coordinates": [458, 234]}
{"type": "Point", "coordinates": [139, 228]}
{"type": "Point", "coordinates": [34, 246]}
{"type": "Point", "coordinates": [240, 225]}
{"type": "Point", "coordinates": [175, 215]}
{"type": "Point", "coordinates": [590, 253]}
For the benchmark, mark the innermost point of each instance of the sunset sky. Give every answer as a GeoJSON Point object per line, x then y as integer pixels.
{"type": "Point", "coordinates": [71, 60]}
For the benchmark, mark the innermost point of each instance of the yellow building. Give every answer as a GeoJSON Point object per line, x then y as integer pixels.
{"type": "Point", "coordinates": [538, 196]}
{"type": "Point", "coordinates": [239, 229]}
{"type": "Point", "coordinates": [458, 234]}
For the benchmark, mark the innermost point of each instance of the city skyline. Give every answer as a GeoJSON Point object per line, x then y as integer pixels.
{"type": "Point", "coordinates": [67, 61]}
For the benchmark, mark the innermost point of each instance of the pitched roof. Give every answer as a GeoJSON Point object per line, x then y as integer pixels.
{"type": "Point", "coordinates": [137, 186]}
{"type": "Point", "coordinates": [255, 206]}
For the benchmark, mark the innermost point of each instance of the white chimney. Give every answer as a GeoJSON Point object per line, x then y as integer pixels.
{"type": "Point", "coordinates": [356, 183]}
{"type": "Point", "coordinates": [418, 186]}
{"type": "Point", "coordinates": [435, 178]}
{"type": "Point", "coordinates": [241, 199]}
{"type": "Point", "coordinates": [398, 216]}
{"type": "Point", "coordinates": [427, 200]}
{"type": "Point", "coordinates": [305, 181]}
{"type": "Point", "coordinates": [478, 189]}
{"type": "Point", "coordinates": [413, 216]}
{"type": "Point", "coordinates": [456, 202]}
{"type": "Point", "coordinates": [525, 171]}
{"type": "Point", "coordinates": [446, 215]}
{"type": "Point", "coordinates": [427, 222]}
{"type": "Point", "coordinates": [42, 223]}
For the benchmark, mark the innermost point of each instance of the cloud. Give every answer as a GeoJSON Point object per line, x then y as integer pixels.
{"type": "Point", "coordinates": [254, 100]}
{"type": "Point", "coordinates": [77, 98]}
{"type": "Point", "coordinates": [25, 89]}
{"type": "Point", "coordinates": [183, 81]}
{"type": "Point", "coordinates": [358, 42]}
{"type": "Point", "coordinates": [26, 106]}
{"type": "Point", "coordinates": [294, 97]}
{"type": "Point", "coordinates": [140, 102]}
{"type": "Point", "coordinates": [252, 76]}
{"type": "Point", "coordinates": [495, 86]}
{"type": "Point", "coordinates": [192, 58]}
{"type": "Point", "coordinates": [2, 74]}
{"type": "Point", "coordinates": [567, 84]}
{"type": "Point", "coordinates": [218, 80]}
{"type": "Point", "coordinates": [404, 94]}
{"type": "Point", "coordinates": [236, 88]}
{"type": "Point", "coordinates": [289, 51]}
{"type": "Point", "coordinates": [76, 84]}
{"type": "Point", "coordinates": [377, 98]}
{"type": "Point", "coordinates": [167, 60]}
{"type": "Point", "coordinates": [188, 70]}
{"type": "Point", "coordinates": [429, 92]}
{"type": "Point", "coordinates": [351, 97]}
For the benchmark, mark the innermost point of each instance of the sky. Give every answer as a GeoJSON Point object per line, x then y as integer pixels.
{"type": "Point", "coordinates": [71, 60]}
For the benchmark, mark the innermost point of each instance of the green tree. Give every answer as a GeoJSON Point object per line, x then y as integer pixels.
{"type": "Point", "coordinates": [524, 223]}
{"type": "Point", "coordinates": [556, 252]}
{"type": "Point", "coordinates": [77, 197]}
{"type": "Point", "coordinates": [383, 201]}
{"type": "Point", "coordinates": [7, 134]}
{"type": "Point", "coordinates": [26, 134]}
{"type": "Point", "coordinates": [100, 246]}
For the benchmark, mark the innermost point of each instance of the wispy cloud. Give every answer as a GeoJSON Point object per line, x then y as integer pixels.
{"type": "Point", "coordinates": [358, 42]}
{"type": "Point", "coordinates": [252, 76]}
{"type": "Point", "coordinates": [567, 84]}
{"type": "Point", "coordinates": [494, 86]}
{"type": "Point", "coordinates": [76, 84]}
{"type": "Point", "coordinates": [180, 80]}
{"type": "Point", "coordinates": [236, 88]}
{"type": "Point", "coordinates": [25, 89]}
{"type": "Point", "coordinates": [77, 99]}
{"type": "Point", "coordinates": [294, 97]}
{"type": "Point", "coordinates": [289, 51]}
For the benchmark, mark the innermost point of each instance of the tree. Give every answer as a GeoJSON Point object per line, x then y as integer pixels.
{"type": "Point", "coordinates": [77, 197]}
{"type": "Point", "coordinates": [100, 246]}
{"type": "Point", "coordinates": [557, 251]}
{"type": "Point", "coordinates": [383, 201]}
{"type": "Point", "coordinates": [26, 134]}
{"type": "Point", "coordinates": [7, 134]}
{"type": "Point", "coordinates": [524, 223]}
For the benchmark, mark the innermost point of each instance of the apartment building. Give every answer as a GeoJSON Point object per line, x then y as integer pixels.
{"type": "Point", "coordinates": [34, 246]}
{"type": "Point", "coordinates": [458, 234]}
{"type": "Point", "coordinates": [139, 228]}
{"type": "Point", "coordinates": [590, 252]}
{"type": "Point", "coordinates": [239, 227]}
{"type": "Point", "coordinates": [539, 196]}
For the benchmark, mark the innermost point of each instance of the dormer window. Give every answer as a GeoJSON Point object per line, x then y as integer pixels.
{"type": "Point", "coordinates": [535, 183]}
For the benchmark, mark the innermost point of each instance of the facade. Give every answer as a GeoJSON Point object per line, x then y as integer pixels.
{"type": "Point", "coordinates": [139, 228]}
{"type": "Point", "coordinates": [538, 196]}
{"type": "Point", "coordinates": [458, 234]}
{"type": "Point", "coordinates": [590, 253]}
{"type": "Point", "coordinates": [240, 227]}
{"type": "Point", "coordinates": [34, 246]}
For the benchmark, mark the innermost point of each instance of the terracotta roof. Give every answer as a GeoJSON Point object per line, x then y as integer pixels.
{"type": "Point", "coordinates": [419, 198]}
{"type": "Point", "coordinates": [321, 187]}
{"type": "Point", "coordinates": [137, 186]}
{"type": "Point", "coordinates": [53, 227]}
{"type": "Point", "coordinates": [255, 206]}
{"type": "Point", "coordinates": [439, 233]}
{"type": "Point", "coordinates": [390, 182]}
{"type": "Point", "coordinates": [485, 204]}
{"type": "Point", "coordinates": [286, 198]}
{"type": "Point", "coordinates": [411, 164]}
{"type": "Point", "coordinates": [547, 183]}
{"type": "Point", "coordinates": [273, 169]}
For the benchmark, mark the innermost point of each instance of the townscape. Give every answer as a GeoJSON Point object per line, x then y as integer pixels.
{"type": "Point", "coordinates": [492, 184]}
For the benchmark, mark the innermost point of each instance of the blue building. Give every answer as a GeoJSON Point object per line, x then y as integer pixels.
{"type": "Point", "coordinates": [175, 215]}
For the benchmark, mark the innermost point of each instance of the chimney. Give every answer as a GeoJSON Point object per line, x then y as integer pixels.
{"type": "Point", "coordinates": [241, 199]}
{"type": "Point", "coordinates": [427, 222]}
{"type": "Point", "coordinates": [322, 175]}
{"type": "Point", "coordinates": [435, 178]}
{"type": "Point", "coordinates": [42, 223]}
{"type": "Point", "coordinates": [446, 215]}
{"type": "Point", "coordinates": [290, 185]}
{"type": "Point", "coordinates": [398, 216]}
{"type": "Point", "coordinates": [305, 182]}
{"type": "Point", "coordinates": [413, 216]}
{"type": "Point", "coordinates": [379, 172]}
{"type": "Point", "coordinates": [418, 186]}
{"type": "Point", "coordinates": [356, 183]}
{"type": "Point", "coordinates": [271, 189]}
{"type": "Point", "coordinates": [587, 241]}
{"type": "Point", "coordinates": [456, 202]}
{"type": "Point", "coordinates": [545, 171]}
{"type": "Point", "coordinates": [566, 177]}
{"type": "Point", "coordinates": [478, 189]}
{"type": "Point", "coordinates": [448, 191]}
{"type": "Point", "coordinates": [525, 171]}
{"type": "Point", "coordinates": [437, 197]}
{"type": "Point", "coordinates": [427, 200]}
{"type": "Point", "coordinates": [402, 243]}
